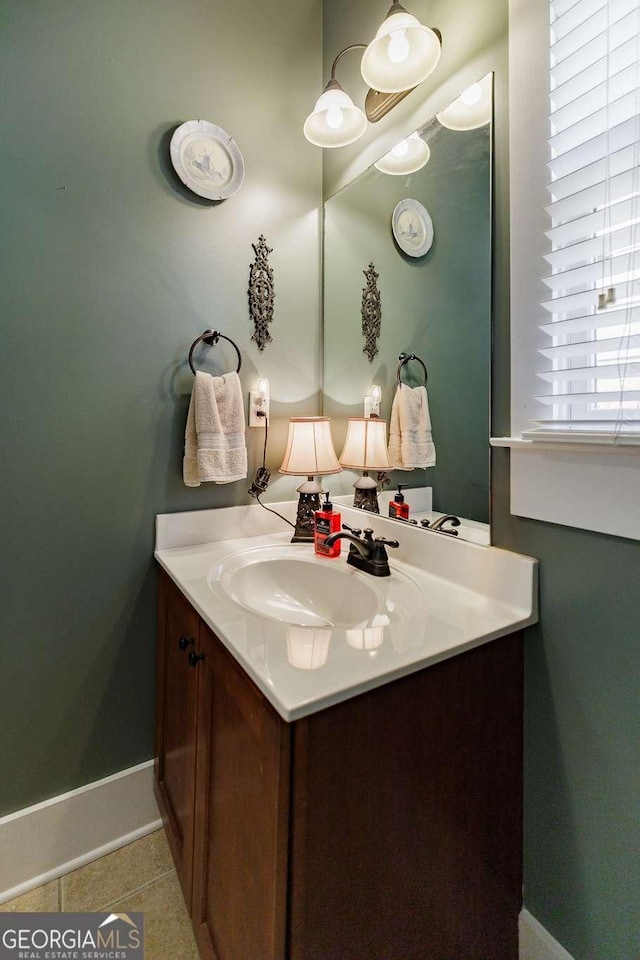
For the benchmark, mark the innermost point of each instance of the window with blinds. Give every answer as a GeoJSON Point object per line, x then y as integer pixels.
{"type": "Point", "coordinates": [590, 366]}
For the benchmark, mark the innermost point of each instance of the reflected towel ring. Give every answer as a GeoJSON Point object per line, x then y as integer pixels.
{"type": "Point", "coordinates": [211, 337]}
{"type": "Point", "coordinates": [404, 358]}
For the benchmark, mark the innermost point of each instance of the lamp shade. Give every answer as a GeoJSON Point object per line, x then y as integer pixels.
{"type": "Point", "coordinates": [310, 451]}
{"type": "Point", "coordinates": [406, 157]}
{"type": "Point", "coordinates": [473, 108]}
{"type": "Point", "coordinates": [366, 445]}
{"type": "Point", "coordinates": [401, 55]}
{"type": "Point", "coordinates": [335, 121]}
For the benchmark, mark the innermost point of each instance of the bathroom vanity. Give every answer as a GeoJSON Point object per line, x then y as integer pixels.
{"type": "Point", "coordinates": [359, 795]}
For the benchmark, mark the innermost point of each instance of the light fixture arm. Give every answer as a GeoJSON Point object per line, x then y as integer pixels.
{"type": "Point", "coordinates": [354, 46]}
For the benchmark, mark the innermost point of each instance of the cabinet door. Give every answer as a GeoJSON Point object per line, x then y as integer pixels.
{"type": "Point", "coordinates": [176, 716]}
{"type": "Point", "coordinates": [240, 868]}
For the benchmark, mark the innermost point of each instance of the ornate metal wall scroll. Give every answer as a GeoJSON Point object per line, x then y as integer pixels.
{"type": "Point", "coordinates": [261, 293]}
{"type": "Point", "coordinates": [371, 313]}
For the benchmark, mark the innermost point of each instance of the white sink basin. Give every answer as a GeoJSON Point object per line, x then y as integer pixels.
{"type": "Point", "coordinates": [290, 585]}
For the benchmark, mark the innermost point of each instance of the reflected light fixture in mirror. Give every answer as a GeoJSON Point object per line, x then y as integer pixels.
{"type": "Point", "coordinates": [471, 109]}
{"type": "Point", "coordinates": [309, 453]}
{"type": "Point", "coordinates": [402, 54]}
{"type": "Point", "coordinates": [408, 156]}
{"type": "Point", "coordinates": [365, 448]}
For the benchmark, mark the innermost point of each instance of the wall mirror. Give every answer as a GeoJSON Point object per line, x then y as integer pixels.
{"type": "Point", "coordinates": [435, 300]}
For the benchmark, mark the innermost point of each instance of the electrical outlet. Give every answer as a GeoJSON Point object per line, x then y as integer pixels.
{"type": "Point", "coordinates": [258, 409]}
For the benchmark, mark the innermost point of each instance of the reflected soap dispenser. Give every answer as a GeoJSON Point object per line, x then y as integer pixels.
{"type": "Point", "coordinates": [398, 509]}
{"type": "Point", "coordinates": [326, 523]}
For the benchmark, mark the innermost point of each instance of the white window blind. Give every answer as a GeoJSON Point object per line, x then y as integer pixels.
{"type": "Point", "coordinates": [590, 357]}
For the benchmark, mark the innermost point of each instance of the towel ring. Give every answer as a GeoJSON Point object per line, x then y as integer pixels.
{"type": "Point", "coordinates": [404, 358]}
{"type": "Point", "coordinates": [211, 337]}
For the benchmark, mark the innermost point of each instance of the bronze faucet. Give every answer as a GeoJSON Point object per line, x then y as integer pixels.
{"type": "Point", "coordinates": [367, 553]}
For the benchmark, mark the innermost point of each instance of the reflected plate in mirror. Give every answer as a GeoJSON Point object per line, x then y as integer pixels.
{"type": "Point", "coordinates": [412, 227]}
{"type": "Point", "coordinates": [207, 159]}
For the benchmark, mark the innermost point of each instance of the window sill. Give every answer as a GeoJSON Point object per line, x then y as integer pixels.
{"type": "Point", "coordinates": [589, 486]}
{"type": "Point", "coordinates": [595, 444]}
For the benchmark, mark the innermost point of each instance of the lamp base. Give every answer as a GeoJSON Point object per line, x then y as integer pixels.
{"type": "Point", "coordinates": [366, 494]}
{"type": "Point", "coordinates": [367, 500]}
{"type": "Point", "coordinates": [308, 503]}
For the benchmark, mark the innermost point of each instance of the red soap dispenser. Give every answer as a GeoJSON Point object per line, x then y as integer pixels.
{"type": "Point", "coordinates": [398, 509]}
{"type": "Point", "coordinates": [326, 523]}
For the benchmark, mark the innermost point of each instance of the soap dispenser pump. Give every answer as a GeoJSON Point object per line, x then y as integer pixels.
{"type": "Point", "coordinates": [326, 523]}
{"type": "Point", "coordinates": [398, 509]}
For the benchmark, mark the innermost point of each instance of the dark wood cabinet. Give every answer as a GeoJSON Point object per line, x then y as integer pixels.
{"type": "Point", "coordinates": [176, 725]}
{"type": "Point", "coordinates": [387, 827]}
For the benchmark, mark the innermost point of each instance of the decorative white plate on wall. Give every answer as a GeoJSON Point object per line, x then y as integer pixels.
{"type": "Point", "coordinates": [207, 159]}
{"type": "Point", "coordinates": [412, 227]}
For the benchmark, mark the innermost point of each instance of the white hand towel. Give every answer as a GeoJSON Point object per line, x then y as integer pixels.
{"type": "Point", "coordinates": [410, 440]}
{"type": "Point", "coordinates": [214, 445]}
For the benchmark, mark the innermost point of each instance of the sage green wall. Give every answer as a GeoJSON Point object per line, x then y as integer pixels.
{"type": "Point", "coordinates": [110, 269]}
{"type": "Point", "coordinates": [437, 306]}
{"type": "Point", "coordinates": [582, 769]}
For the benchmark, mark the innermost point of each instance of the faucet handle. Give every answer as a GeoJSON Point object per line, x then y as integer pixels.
{"type": "Point", "coordinates": [356, 531]}
{"type": "Point", "coordinates": [388, 543]}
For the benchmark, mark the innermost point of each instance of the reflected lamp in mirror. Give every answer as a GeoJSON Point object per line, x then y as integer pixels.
{"type": "Point", "coordinates": [365, 448]}
{"type": "Point", "coordinates": [408, 156]}
{"type": "Point", "coordinates": [473, 108]}
{"type": "Point", "coordinates": [402, 54]}
{"type": "Point", "coordinates": [309, 453]}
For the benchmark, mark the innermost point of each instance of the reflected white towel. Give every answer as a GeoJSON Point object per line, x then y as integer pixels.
{"type": "Point", "coordinates": [410, 440]}
{"type": "Point", "coordinates": [214, 445]}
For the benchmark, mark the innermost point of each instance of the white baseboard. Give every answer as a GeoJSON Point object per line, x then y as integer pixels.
{"type": "Point", "coordinates": [536, 943]}
{"type": "Point", "coordinates": [49, 839]}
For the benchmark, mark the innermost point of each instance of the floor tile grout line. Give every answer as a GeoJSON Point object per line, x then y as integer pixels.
{"type": "Point", "coordinates": [137, 890]}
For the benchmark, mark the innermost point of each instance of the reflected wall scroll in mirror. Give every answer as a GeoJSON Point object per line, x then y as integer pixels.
{"type": "Point", "coordinates": [371, 311]}
{"type": "Point", "coordinates": [437, 306]}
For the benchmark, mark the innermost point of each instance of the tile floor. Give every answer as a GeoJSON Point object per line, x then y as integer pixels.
{"type": "Point", "coordinates": [137, 878]}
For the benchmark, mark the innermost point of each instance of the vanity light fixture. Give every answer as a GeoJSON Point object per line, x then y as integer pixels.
{"type": "Point", "coordinates": [309, 453]}
{"type": "Point", "coordinates": [335, 120]}
{"type": "Point", "coordinates": [366, 449]}
{"type": "Point", "coordinates": [408, 156]}
{"type": "Point", "coordinates": [372, 401]}
{"type": "Point", "coordinates": [402, 54]}
{"type": "Point", "coordinates": [471, 109]}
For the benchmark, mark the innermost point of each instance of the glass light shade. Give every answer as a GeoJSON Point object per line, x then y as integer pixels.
{"type": "Point", "coordinates": [471, 109]}
{"type": "Point", "coordinates": [310, 451]}
{"type": "Point", "coordinates": [401, 55]}
{"type": "Point", "coordinates": [406, 157]}
{"type": "Point", "coordinates": [366, 445]}
{"type": "Point", "coordinates": [307, 649]}
{"type": "Point", "coordinates": [335, 121]}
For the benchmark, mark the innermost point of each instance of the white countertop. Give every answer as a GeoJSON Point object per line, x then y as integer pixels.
{"type": "Point", "coordinates": [469, 595]}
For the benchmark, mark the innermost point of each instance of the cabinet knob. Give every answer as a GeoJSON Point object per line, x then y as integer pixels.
{"type": "Point", "coordinates": [195, 658]}
{"type": "Point", "coordinates": [183, 642]}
